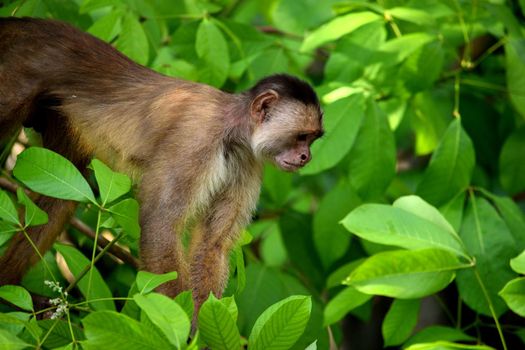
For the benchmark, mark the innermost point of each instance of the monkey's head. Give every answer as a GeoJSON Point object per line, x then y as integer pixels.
{"type": "Point", "coordinates": [288, 119]}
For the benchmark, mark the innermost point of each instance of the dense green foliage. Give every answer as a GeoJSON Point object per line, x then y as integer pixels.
{"type": "Point", "coordinates": [415, 193]}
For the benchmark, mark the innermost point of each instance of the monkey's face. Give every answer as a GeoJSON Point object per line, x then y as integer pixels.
{"type": "Point", "coordinates": [284, 131]}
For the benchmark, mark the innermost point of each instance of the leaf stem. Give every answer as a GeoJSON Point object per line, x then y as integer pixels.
{"type": "Point", "coordinates": [491, 307]}
{"type": "Point", "coordinates": [94, 251]}
{"type": "Point", "coordinates": [35, 248]}
{"type": "Point", "coordinates": [88, 267]}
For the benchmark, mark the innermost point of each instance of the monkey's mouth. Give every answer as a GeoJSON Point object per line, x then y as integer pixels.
{"type": "Point", "coordinates": [288, 166]}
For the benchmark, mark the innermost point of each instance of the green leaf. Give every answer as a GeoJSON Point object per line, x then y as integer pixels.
{"type": "Point", "coordinates": [279, 326]}
{"type": "Point", "coordinates": [14, 322]}
{"type": "Point", "coordinates": [90, 5]}
{"type": "Point", "coordinates": [518, 263]}
{"type": "Point", "coordinates": [405, 274]}
{"type": "Point", "coordinates": [132, 40]}
{"type": "Point", "coordinates": [126, 214]}
{"type": "Point", "coordinates": [49, 173]}
{"type": "Point", "coordinates": [230, 304]}
{"type": "Point", "coordinates": [430, 113]}
{"type": "Point", "coordinates": [107, 27]}
{"type": "Point", "coordinates": [344, 302]}
{"type": "Point", "coordinates": [313, 13]}
{"type": "Point", "coordinates": [185, 301]}
{"type": "Point", "coordinates": [405, 45]}
{"type": "Point", "coordinates": [422, 68]}
{"type": "Point", "coordinates": [435, 333]}
{"type": "Point", "coordinates": [109, 330]}
{"type": "Point", "coordinates": [400, 320]}
{"type": "Point", "coordinates": [453, 211]}
{"type": "Point", "coordinates": [17, 296]}
{"type": "Point", "coordinates": [167, 315]}
{"type": "Point", "coordinates": [9, 341]}
{"type": "Point", "coordinates": [512, 162]}
{"type": "Point", "coordinates": [7, 209]}
{"type": "Point", "coordinates": [450, 167]}
{"type": "Point", "coordinates": [60, 333]}
{"type": "Point", "coordinates": [148, 281]}
{"type": "Point", "coordinates": [330, 238]}
{"type": "Point", "coordinates": [488, 239]}
{"type": "Point", "coordinates": [411, 15]}
{"type": "Point", "coordinates": [111, 184]}
{"type": "Point", "coordinates": [515, 64]}
{"type": "Point", "coordinates": [512, 215]}
{"type": "Point", "coordinates": [337, 28]}
{"type": "Point", "coordinates": [76, 261]}
{"type": "Point", "coordinates": [212, 48]}
{"type": "Point", "coordinates": [217, 326]}
{"type": "Point", "coordinates": [445, 345]}
{"type": "Point", "coordinates": [514, 295]}
{"type": "Point", "coordinates": [33, 215]}
{"type": "Point", "coordinates": [373, 158]}
{"type": "Point", "coordinates": [417, 206]}
{"type": "Point", "coordinates": [341, 122]}
{"type": "Point", "coordinates": [388, 225]}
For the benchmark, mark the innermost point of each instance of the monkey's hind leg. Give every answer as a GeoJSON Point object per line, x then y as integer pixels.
{"type": "Point", "coordinates": [21, 254]}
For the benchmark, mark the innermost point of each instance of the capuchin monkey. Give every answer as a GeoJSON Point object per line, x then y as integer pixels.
{"type": "Point", "coordinates": [196, 151]}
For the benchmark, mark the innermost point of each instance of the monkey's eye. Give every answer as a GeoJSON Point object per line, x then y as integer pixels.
{"type": "Point", "coordinates": [302, 137]}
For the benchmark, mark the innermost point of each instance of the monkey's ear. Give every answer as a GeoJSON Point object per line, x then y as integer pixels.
{"type": "Point", "coordinates": [261, 103]}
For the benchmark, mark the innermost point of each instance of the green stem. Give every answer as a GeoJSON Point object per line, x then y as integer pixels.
{"type": "Point", "coordinates": [457, 90]}
{"type": "Point", "coordinates": [49, 331]}
{"type": "Point", "coordinates": [491, 307]}
{"type": "Point", "coordinates": [97, 230]}
{"type": "Point", "coordinates": [88, 267]}
{"type": "Point", "coordinates": [35, 248]}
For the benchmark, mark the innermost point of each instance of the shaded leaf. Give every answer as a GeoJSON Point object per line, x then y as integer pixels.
{"type": "Point", "coordinates": [450, 167]}
{"type": "Point", "coordinates": [126, 214]}
{"type": "Point", "coordinates": [342, 121]}
{"type": "Point", "coordinates": [7, 209]}
{"type": "Point", "coordinates": [512, 162]}
{"type": "Point", "coordinates": [400, 321]}
{"type": "Point", "coordinates": [98, 289]}
{"type": "Point", "coordinates": [373, 158]}
{"type": "Point", "coordinates": [488, 239]}
{"type": "Point", "coordinates": [347, 300]}
{"type": "Point", "coordinates": [33, 215]}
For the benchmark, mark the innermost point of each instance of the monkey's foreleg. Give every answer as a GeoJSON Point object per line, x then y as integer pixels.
{"type": "Point", "coordinates": [211, 243]}
{"type": "Point", "coordinates": [21, 254]}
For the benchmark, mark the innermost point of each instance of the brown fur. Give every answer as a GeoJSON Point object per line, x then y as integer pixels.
{"type": "Point", "coordinates": [196, 151]}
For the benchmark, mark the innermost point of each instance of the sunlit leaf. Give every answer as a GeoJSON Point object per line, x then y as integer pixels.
{"type": "Point", "coordinates": [405, 274]}
{"type": "Point", "coordinates": [51, 174]}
